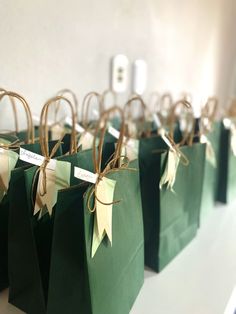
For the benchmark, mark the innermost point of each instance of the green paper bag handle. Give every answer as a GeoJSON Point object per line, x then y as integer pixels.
{"type": "Point", "coordinates": [44, 128]}
{"type": "Point", "coordinates": [86, 104]}
{"type": "Point", "coordinates": [64, 92]}
{"type": "Point", "coordinates": [30, 127]}
{"type": "Point", "coordinates": [13, 104]}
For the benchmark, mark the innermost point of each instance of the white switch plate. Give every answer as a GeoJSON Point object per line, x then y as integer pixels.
{"type": "Point", "coordinates": [139, 80]}
{"type": "Point", "coordinates": [119, 73]}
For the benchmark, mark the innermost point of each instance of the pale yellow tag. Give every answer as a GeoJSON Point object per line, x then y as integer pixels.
{"type": "Point", "coordinates": [86, 140]}
{"type": "Point", "coordinates": [55, 180]}
{"type": "Point", "coordinates": [4, 165]}
{"type": "Point", "coordinates": [8, 160]}
{"type": "Point", "coordinates": [170, 171]}
{"type": "Point", "coordinates": [210, 153]}
{"type": "Point", "coordinates": [57, 132]}
{"type": "Point", "coordinates": [132, 128]}
{"type": "Point", "coordinates": [233, 140]}
{"type": "Point", "coordinates": [103, 214]}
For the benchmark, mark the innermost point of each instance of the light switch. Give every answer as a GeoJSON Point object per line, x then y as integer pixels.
{"type": "Point", "coordinates": [119, 73]}
{"type": "Point", "coordinates": [139, 80]}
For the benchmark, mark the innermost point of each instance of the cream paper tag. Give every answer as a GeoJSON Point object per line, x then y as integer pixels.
{"type": "Point", "coordinates": [130, 147]}
{"type": "Point", "coordinates": [103, 215]}
{"type": "Point", "coordinates": [56, 179]}
{"type": "Point", "coordinates": [8, 160]}
{"type": "Point", "coordinates": [210, 153]}
{"type": "Point", "coordinates": [130, 150]}
{"type": "Point", "coordinates": [57, 131]}
{"type": "Point", "coordinates": [227, 123]}
{"type": "Point", "coordinates": [233, 140]}
{"type": "Point", "coordinates": [86, 141]}
{"type": "Point", "coordinates": [132, 128]}
{"type": "Point", "coordinates": [170, 171]}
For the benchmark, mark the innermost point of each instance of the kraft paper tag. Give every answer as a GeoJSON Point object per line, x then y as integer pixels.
{"type": "Point", "coordinates": [103, 215]}
{"type": "Point", "coordinates": [56, 179]}
{"type": "Point", "coordinates": [57, 132]}
{"type": "Point", "coordinates": [170, 171]}
{"type": "Point", "coordinates": [8, 160]}
{"type": "Point", "coordinates": [210, 153]}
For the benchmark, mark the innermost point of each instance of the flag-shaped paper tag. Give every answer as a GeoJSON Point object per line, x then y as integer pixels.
{"type": "Point", "coordinates": [8, 160]}
{"type": "Point", "coordinates": [130, 150]}
{"type": "Point", "coordinates": [233, 140]}
{"type": "Point", "coordinates": [57, 132]}
{"type": "Point", "coordinates": [86, 141]}
{"type": "Point", "coordinates": [132, 128]}
{"type": "Point", "coordinates": [103, 214]}
{"type": "Point", "coordinates": [56, 179]}
{"type": "Point", "coordinates": [210, 153]}
{"type": "Point", "coordinates": [170, 171]}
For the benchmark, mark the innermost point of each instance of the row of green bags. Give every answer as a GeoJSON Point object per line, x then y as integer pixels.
{"type": "Point", "coordinates": [51, 268]}
{"type": "Point", "coordinates": [53, 271]}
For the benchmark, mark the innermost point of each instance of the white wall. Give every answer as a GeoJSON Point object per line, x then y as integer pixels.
{"type": "Point", "coordinates": [47, 45]}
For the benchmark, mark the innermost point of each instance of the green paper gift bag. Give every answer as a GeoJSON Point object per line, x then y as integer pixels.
{"type": "Point", "coordinates": [210, 131]}
{"type": "Point", "coordinates": [29, 276]}
{"type": "Point", "coordinates": [87, 277]}
{"type": "Point", "coordinates": [227, 174]}
{"type": "Point", "coordinates": [9, 145]}
{"type": "Point", "coordinates": [171, 189]}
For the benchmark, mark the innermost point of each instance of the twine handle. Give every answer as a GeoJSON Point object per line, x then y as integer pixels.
{"type": "Point", "coordinates": [154, 101]}
{"type": "Point", "coordinates": [43, 129]}
{"type": "Point", "coordinates": [13, 109]}
{"type": "Point", "coordinates": [86, 105]}
{"type": "Point", "coordinates": [101, 130]}
{"type": "Point", "coordinates": [105, 94]}
{"type": "Point", "coordinates": [185, 104]}
{"type": "Point", "coordinates": [63, 92]}
{"type": "Point", "coordinates": [30, 127]}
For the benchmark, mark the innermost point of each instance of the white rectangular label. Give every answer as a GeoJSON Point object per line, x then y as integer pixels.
{"type": "Point", "coordinates": [114, 132]}
{"type": "Point", "coordinates": [35, 159]}
{"type": "Point", "coordinates": [156, 120]}
{"type": "Point", "coordinates": [85, 175]}
{"type": "Point", "coordinates": [78, 127]}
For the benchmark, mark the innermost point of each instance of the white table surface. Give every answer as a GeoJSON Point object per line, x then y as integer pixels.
{"type": "Point", "coordinates": [199, 281]}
